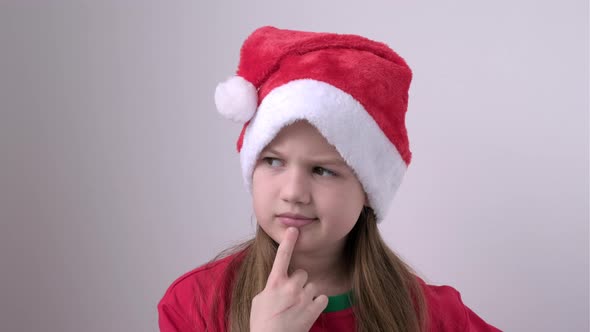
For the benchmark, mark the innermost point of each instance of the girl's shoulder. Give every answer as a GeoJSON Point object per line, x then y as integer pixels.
{"type": "Point", "coordinates": [192, 295]}
{"type": "Point", "coordinates": [205, 274]}
{"type": "Point", "coordinates": [448, 312]}
{"type": "Point", "coordinates": [204, 277]}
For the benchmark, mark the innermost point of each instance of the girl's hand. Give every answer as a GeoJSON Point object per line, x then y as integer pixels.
{"type": "Point", "coordinates": [287, 303]}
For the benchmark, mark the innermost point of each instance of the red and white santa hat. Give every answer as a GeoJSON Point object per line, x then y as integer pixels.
{"type": "Point", "coordinates": [352, 89]}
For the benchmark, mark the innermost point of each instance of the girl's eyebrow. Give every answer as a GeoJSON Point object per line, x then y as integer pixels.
{"type": "Point", "coordinates": [330, 161]}
{"type": "Point", "coordinates": [272, 151]}
{"type": "Point", "coordinates": [322, 161]}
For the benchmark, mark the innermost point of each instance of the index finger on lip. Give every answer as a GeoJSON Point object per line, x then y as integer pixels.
{"type": "Point", "coordinates": [283, 258]}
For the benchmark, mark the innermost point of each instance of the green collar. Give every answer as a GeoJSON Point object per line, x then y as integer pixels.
{"type": "Point", "coordinates": [339, 302]}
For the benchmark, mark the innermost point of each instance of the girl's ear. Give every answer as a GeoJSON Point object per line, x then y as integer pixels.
{"type": "Point", "coordinates": [366, 203]}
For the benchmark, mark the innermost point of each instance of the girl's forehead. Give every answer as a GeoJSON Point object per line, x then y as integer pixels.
{"type": "Point", "coordinates": [304, 136]}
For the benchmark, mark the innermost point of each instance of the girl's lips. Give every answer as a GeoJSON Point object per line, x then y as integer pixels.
{"type": "Point", "coordinates": [295, 222]}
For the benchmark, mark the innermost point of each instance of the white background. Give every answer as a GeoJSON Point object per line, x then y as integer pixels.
{"type": "Point", "coordinates": [117, 175]}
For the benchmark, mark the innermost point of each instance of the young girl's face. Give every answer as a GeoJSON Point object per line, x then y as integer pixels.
{"type": "Point", "coordinates": [299, 174]}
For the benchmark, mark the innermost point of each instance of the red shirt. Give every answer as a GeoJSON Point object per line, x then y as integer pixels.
{"type": "Point", "coordinates": [187, 305]}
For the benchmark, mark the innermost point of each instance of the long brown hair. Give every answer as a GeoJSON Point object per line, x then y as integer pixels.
{"type": "Point", "coordinates": [386, 294]}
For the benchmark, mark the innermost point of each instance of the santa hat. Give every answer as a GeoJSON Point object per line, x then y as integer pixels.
{"type": "Point", "coordinates": [352, 89]}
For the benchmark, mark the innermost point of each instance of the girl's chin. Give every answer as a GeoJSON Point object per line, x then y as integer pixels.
{"type": "Point", "coordinates": [302, 239]}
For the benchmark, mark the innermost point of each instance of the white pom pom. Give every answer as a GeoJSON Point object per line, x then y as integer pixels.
{"type": "Point", "coordinates": [236, 99]}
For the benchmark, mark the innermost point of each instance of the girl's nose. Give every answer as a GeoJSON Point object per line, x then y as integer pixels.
{"type": "Point", "coordinates": [295, 187]}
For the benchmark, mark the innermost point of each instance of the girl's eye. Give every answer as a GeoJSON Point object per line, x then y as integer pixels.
{"type": "Point", "coordinates": [273, 162]}
{"type": "Point", "coordinates": [324, 172]}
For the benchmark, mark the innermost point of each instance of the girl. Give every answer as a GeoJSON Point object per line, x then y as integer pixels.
{"type": "Point", "coordinates": [323, 150]}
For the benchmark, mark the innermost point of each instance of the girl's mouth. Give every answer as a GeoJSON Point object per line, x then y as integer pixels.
{"type": "Point", "coordinates": [295, 220]}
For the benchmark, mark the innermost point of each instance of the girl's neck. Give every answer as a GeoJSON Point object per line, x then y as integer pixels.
{"type": "Point", "coordinates": [329, 273]}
